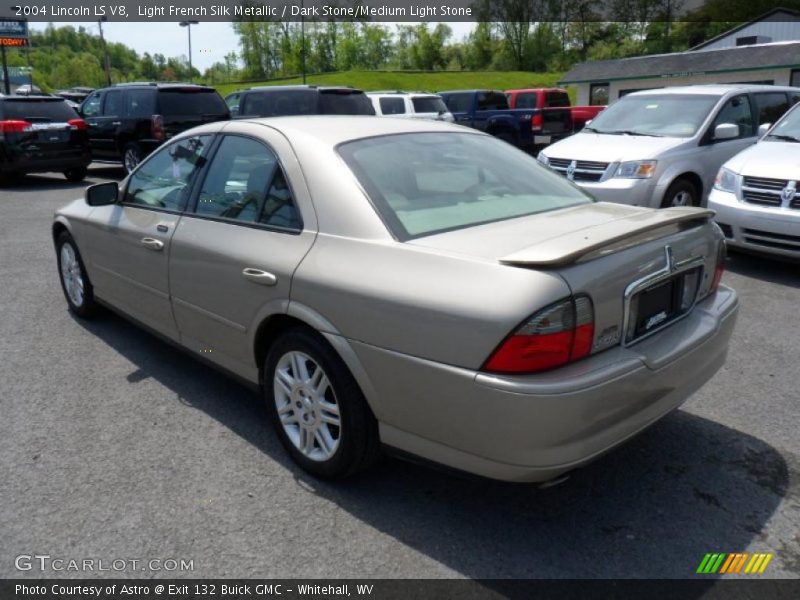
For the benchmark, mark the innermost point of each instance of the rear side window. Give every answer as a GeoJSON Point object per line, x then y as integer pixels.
{"type": "Point", "coordinates": [112, 107]}
{"type": "Point", "coordinates": [245, 183]}
{"type": "Point", "coordinates": [428, 104]}
{"type": "Point", "coordinates": [556, 99]}
{"type": "Point", "coordinates": [56, 110]}
{"type": "Point", "coordinates": [345, 102]}
{"type": "Point", "coordinates": [492, 101]}
{"type": "Point", "coordinates": [165, 179]}
{"type": "Point", "coordinates": [526, 100]}
{"type": "Point", "coordinates": [392, 106]}
{"type": "Point", "coordinates": [770, 106]}
{"type": "Point", "coordinates": [140, 103]}
{"type": "Point", "coordinates": [191, 101]}
{"type": "Point", "coordinates": [458, 103]}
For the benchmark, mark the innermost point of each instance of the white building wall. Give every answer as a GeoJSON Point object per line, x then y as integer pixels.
{"type": "Point", "coordinates": [778, 77]}
{"type": "Point", "coordinates": [779, 31]}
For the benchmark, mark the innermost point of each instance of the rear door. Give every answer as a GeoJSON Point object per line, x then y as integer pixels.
{"type": "Point", "coordinates": [130, 242]}
{"type": "Point", "coordinates": [92, 112]}
{"type": "Point", "coordinates": [236, 249]}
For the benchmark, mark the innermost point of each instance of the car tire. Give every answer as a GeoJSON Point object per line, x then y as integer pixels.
{"type": "Point", "coordinates": [317, 408]}
{"type": "Point", "coordinates": [76, 175]}
{"type": "Point", "coordinates": [131, 156]}
{"type": "Point", "coordinates": [75, 282]}
{"type": "Point", "coordinates": [681, 193]}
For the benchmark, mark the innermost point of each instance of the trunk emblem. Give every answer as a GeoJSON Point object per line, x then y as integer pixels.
{"type": "Point", "coordinates": [571, 170]}
{"type": "Point", "coordinates": [788, 193]}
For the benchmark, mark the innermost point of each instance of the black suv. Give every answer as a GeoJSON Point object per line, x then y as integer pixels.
{"type": "Point", "coordinates": [128, 121]}
{"type": "Point", "coordinates": [42, 133]}
{"type": "Point", "coordinates": [287, 100]}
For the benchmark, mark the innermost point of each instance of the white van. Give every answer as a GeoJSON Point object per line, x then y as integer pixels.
{"type": "Point", "coordinates": [756, 195]}
{"type": "Point", "coordinates": [663, 147]}
{"type": "Point", "coordinates": [412, 105]}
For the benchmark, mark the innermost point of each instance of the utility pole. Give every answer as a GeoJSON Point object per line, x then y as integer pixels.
{"type": "Point", "coordinates": [188, 25]}
{"type": "Point", "coordinates": [106, 62]}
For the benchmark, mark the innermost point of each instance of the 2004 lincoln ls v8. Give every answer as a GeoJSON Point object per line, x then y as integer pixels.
{"type": "Point", "coordinates": [410, 284]}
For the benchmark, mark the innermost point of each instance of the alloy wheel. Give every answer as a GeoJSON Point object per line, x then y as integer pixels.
{"type": "Point", "coordinates": [307, 406]}
{"type": "Point", "coordinates": [71, 274]}
{"type": "Point", "coordinates": [131, 159]}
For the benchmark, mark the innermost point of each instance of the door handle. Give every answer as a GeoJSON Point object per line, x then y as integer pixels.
{"type": "Point", "coordinates": [259, 276]}
{"type": "Point", "coordinates": [152, 243]}
{"type": "Point", "coordinates": [116, 122]}
{"type": "Point", "coordinates": [162, 228]}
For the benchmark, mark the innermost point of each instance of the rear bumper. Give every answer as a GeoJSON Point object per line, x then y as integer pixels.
{"type": "Point", "coordinates": [536, 427]}
{"type": "Point", "coordinates": [757, 228]}
{"type": "Point", "coordinates": [28, 164]}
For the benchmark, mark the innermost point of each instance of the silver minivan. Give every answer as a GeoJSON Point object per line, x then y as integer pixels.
{"type": "Point", "coordinates": [663, 147]}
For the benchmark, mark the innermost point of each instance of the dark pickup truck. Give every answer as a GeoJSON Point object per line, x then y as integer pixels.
{"type": "Point", "coordinates": [488, 111]}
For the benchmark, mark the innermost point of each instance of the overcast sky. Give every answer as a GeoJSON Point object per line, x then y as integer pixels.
{"type": "Point", "coordinates": [210, 41]}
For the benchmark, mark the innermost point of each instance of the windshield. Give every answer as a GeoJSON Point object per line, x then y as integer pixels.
{"type": "Point", "coordinates": [788, 128]}
{"type": "Point", "coordinates": [426, 183]}
{"type": "Point", "coordinates": [668, 115]}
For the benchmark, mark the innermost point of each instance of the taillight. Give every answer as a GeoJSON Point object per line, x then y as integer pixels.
{"type": "Point", "coordinates": [537, 121]}
{"type": "Point", "coordinates": [77, 124]}
{"type": "Point", "coordinates": [719, 270]}
{"type": "Point", "coordinates": [14, 126]}
{"type": "Point", "coordinates": [157, 127]}
{"type": "Point", "coordinates": [556, 335]}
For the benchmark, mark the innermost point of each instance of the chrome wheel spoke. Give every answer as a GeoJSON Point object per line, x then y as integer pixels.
{"type": "Point", "coordinates": [324, 439]}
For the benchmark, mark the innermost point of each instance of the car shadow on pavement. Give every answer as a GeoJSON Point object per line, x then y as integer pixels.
{"type": "Point", "coordinates": [45, 182]}
{"type": "Point", "coordinates": [782, 271]}
{"type": "Point", "coordinates": [651, 508]}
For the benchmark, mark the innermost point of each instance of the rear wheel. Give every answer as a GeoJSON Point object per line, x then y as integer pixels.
{"type": "Point", "coordinates": [76, 175]}
{"type": "Point", "coordinates": [317, 408]}
{"type": "Point", "coordinates": [681, 193]}
{"type": "Point", "coordinates": [76, 285]}
{"type": "Point", "coordinates": [131, 156]}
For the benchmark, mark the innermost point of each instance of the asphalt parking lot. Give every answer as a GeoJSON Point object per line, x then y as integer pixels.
{"type": "Point", "coordinates": [116, 445]}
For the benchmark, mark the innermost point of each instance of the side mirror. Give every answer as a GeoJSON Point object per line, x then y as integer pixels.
{"type": "Point", "coordinates": [102, 194]}
{"type": "Point", "coordinates": [763, 129]}
{"type": "Point", "coordinates": [726, 131]}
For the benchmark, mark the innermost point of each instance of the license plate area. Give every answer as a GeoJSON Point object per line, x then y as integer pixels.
{"type": "Point", "coordinates": [662, 303]}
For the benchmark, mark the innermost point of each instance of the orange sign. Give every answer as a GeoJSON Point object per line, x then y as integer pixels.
{"type": "Point", "coordinates": [13, 42]}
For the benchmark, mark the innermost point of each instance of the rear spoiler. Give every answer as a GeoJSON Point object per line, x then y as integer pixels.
{"type": "Point", "coordinates": [608, 238]}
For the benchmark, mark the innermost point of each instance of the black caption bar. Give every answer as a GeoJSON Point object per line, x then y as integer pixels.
{"type": "Point", "coordinates": [383, 589]}
{"type": "Point", "coordinates": [382, 10]}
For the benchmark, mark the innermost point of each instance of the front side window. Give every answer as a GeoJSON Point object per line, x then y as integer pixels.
{"type": "Point", "coordinates": [245, 183]}
{"type": "Point", "coordinates": [668, 115]}
{"type": "Point", "coordinates": [165, 179]}
{"type": "Point", "coordinates": [425, 183]}
{"type": "Point", "coordinates": [771, 106]}
{"type": "Point", "coordinates": [392, 106]}
{"type": "Point", "coordinates": [429, 104]}
{"type": "Point", "coordinates": [736, 111]}
{"type": "Point", "coordinates": [91, 106]}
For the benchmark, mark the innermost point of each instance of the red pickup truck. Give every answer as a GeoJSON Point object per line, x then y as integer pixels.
{"type": "Point", "coordinates": [546, 98]}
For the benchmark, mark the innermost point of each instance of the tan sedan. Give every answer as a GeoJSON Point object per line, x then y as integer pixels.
{"type": "Point", "coordinates": [407, 284]}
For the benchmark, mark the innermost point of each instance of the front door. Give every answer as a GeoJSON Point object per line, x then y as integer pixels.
{"type": "Point", "coordinates": [131, 244]}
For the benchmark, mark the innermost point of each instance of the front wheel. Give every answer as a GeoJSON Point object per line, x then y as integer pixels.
{"type": "Point", "coordinates": [317, 408]}
{"type": "Point", "coordinates": [681, 193]}
{"type": "Point", "coordinates": [76, 285]}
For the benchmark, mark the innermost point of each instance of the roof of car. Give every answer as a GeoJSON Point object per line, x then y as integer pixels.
{"type": "Point", "coordinates": [321, 88]}
{"type": "Point", "coordinates": [336, 129]}
{"type": "Point", "coordinates": [37, 97]}
{"type": "Point", "coordinates": [713, 89]}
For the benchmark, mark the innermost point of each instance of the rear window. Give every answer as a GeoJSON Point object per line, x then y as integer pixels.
{"type": "Point", "coordinates": [427, 183]}
{"type": "Point", "coordinates": [279, 103]}
{"type": "Point", "coordinates": [345, 102]}
{"type": "Point", "coordinates": [191, 101]}
{"type": "Point", "coordinates": [556, 99]}
{"type": "Point", "coordinates": [527, 100]}
{"type": "Point", "coordinates": [429, 104]}
{"type": "Point", "coordinates": [46, 110]}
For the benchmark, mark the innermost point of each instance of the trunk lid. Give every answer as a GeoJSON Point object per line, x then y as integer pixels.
{"type": "Point", "coordinates": [604, 250]}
